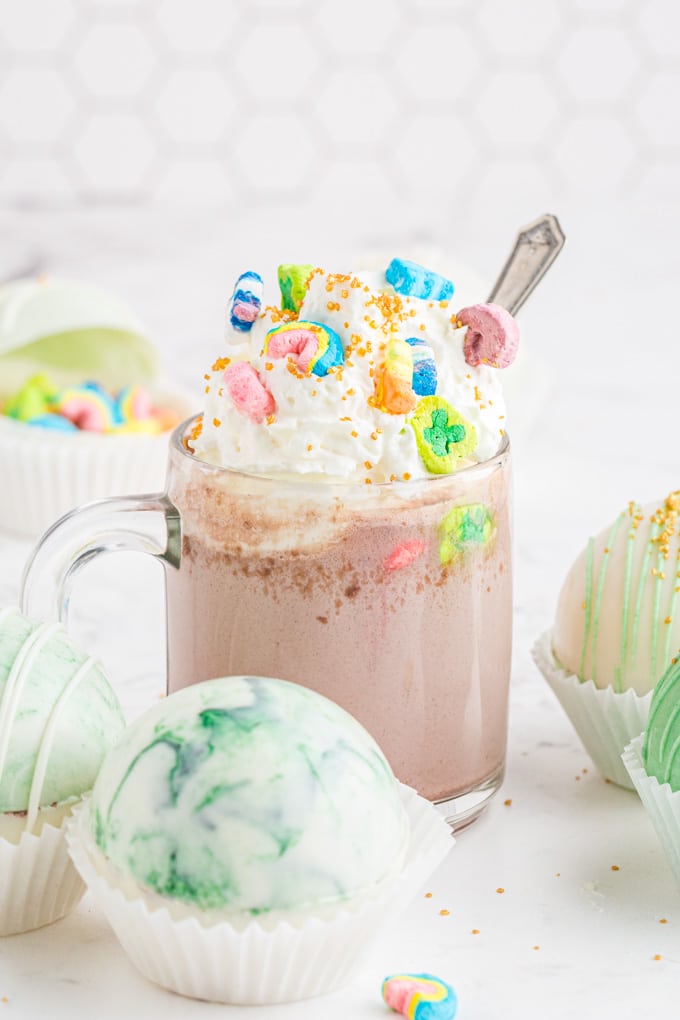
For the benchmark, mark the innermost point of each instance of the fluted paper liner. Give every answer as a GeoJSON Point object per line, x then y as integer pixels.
{"type": "Point", "coordinates": [38, 882]}
{"type": "Point", "coordinates": [46, 473]}
{"type": "Point", "coordinates": [605, 720]}
{"type": "Point", "coordinates": [661, 804]}
{"type": "Point", "coordinates": [256, 966]}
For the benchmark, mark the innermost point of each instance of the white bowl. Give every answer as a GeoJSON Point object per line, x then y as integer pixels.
{"type": "Point", "coordinates": [45, 473]}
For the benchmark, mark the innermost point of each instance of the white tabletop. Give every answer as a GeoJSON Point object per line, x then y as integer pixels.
{"type": "Point", "coordinates": [587, 922]}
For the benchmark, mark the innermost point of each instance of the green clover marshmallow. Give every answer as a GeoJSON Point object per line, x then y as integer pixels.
{"type": "Point", "coordinates": [443, 436]}
{"type": "Point", "coordinates": [462, 528]}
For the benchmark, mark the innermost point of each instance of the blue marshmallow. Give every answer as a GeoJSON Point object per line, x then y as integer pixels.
{"type": "Point", "coordinates": [246, 301]}
{"type": "Point", "coordinates": [424, 367]}
{"type": "Point", "coordinates": [416, 281]}
{"type": "Point", "coordinates": [57, 422]}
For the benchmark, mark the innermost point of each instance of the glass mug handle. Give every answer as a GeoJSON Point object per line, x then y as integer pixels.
{"type": "Point", "coordinates": [149, 524]}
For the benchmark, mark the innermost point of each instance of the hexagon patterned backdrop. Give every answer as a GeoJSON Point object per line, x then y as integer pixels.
{"type": "Point", "coordinates": [290, 101]}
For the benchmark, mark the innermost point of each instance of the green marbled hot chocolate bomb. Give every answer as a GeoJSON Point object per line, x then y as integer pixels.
{"type": "Point", "coordinates": [58, 717]}
{"type": "Point", "coordinates": [248, 795]}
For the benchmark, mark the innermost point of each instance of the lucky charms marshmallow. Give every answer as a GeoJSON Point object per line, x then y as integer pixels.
{"type": "Point", "coordinates": [368, 377]}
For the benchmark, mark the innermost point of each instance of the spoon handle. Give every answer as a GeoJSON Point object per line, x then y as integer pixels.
{"type": "Point", "coordinates": [536, 248]}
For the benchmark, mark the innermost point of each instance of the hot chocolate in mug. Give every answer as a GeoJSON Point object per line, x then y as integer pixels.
{"type": "Point", "coordinates": [393, 600]}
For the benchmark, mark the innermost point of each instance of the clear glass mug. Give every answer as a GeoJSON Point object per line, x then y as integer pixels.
{"type": "Point", "coordinates": [393, 600]}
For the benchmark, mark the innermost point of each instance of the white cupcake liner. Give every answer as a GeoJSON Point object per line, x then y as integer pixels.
{"type": "Point", "coordinates": [38, 882]}
{"type": "Point", "coordinates": [255, 966]}
{"type": "Point", "coordinates": [661, 803]}
{"type": "Point", "coordinates": [605, 720]}
{"type": "Point", "coordinates": [46, 473]}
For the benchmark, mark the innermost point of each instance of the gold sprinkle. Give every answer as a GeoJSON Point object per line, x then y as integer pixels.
{"type": "Point", "coordinates": [669, 619]}
{"type": "Point", "coordinates": [663, 920]}
{"type": "Point", "coordinates": [268, 366]}
{"type": "Point", "coordinates": [310, 446]}
{"type": "Point", "coordinates": [615, 867]}
{"type": "Point", "coordinates": [368, 465]}
{"type": "Point", "coordinates": [354, 433]}
{"type": "Point", "coordinates": [508, 802]}
{"type": "Point", "coordinates": [207, 389]}
{"type": "Point", "coordinates": [657, 956]}
{"type": "Point", "coordinates": [500, 889]}
{"type": "Point", "coordinates": [444, 913]}
{"type": "Point", "coordinates": [221, 364]}
{"type": "Point", "coordinates": [270, 419]}
{"type": "Point", "coordinates": [535, 947]}
{"type": "Point", "coordinates": [216, 422]}
{"type": "Point", "coordinates": [406, 476]}
{"type": "Point", "coordinates": [475, 931]}
{"type": "Point", "coordinates": [428, 895]}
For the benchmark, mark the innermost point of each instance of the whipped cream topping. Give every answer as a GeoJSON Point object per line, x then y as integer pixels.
{"type": "Point", "coordinates": [333, 426]}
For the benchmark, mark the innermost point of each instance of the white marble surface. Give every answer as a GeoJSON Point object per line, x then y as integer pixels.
{"type": "Point", "coordinates": [602, 430]}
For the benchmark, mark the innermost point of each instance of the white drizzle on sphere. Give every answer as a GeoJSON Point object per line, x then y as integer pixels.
{"type": "Point", "coordinates": [58, 716]}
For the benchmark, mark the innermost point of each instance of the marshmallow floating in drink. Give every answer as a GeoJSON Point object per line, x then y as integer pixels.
{"type": "Point", "coordinates": [359, 377]}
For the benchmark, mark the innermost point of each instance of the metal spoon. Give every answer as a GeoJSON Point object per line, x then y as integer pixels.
{"type": "Point", "coordinates": [536, 248]}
